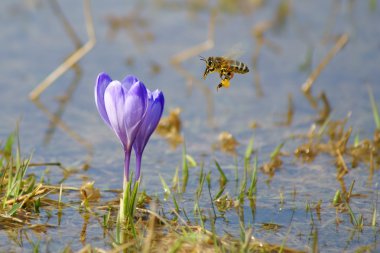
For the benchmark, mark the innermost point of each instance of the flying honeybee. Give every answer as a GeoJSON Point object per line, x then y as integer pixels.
{"type": "Point", "coordinates": [226, 68]}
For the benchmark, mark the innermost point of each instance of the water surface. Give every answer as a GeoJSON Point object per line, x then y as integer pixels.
{"type": "Point", "coordinates": [34, 42]}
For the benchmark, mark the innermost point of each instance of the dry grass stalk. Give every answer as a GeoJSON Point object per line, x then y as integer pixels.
{"type": "Point", "coordinates": [341, 42]}
{"type": "Point", "coordinates": [72, 59]}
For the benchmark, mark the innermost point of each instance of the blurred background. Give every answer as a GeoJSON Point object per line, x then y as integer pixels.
{"type": "Point", "coordinates": [160, 41]}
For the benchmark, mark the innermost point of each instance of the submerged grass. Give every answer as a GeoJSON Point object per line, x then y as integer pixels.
{"type": "Point", "coordinates": [23, 200]}
{"type": "Point", "coordinates": [375, 111]}
{"type": "Point", "coordinates": [20, 195]}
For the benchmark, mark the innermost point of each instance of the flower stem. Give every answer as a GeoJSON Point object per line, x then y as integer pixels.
{"type": "Point", "coordinates": [125, 227]}
{"type": "Point", "coordinates": [127, 158]}
{"type": "Point", "coordinates": [138, 166]}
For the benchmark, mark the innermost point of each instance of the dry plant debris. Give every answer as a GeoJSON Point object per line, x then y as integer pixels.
{"type": "Point", "coordinates": [170, 128]}
{"type": "Point", "coordinates": [226, 143]}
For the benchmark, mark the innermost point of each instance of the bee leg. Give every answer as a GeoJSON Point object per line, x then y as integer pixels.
{"type": "Point", "coordinates": [223, 74]}
{"type": "Point", "coordinates": [225, 77]}
{"type": "Point", "coordinates": [228, 75]}
{"type": "Point", "coordinates": [206, 73]}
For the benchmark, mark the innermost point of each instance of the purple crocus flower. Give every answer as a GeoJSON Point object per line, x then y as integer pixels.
{"type": "Point", "coordinates": [131, 111]}
{"type": "Point", "coordinates": [153, 115]}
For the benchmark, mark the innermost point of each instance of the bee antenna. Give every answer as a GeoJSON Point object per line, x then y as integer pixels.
{"type": "Point", "coordinates": [202, 58]}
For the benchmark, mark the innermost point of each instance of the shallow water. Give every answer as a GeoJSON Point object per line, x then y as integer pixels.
{"type": "Point", "coordinates": [34, 42]}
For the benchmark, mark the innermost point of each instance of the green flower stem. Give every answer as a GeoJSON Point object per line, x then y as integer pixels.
{"type": "Point", "coordinates": [127, 211]}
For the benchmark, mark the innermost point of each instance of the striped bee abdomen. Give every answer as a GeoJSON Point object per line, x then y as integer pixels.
{"type": "Point", "coordinates": [239, 67]}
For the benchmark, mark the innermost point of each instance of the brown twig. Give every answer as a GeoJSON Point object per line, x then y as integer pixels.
{"type": "Point", "coordinates": [341, 42]}
{"type": "Point", "coordinates": [200, 48]}
{"type": "Point", "coordinates": [72, 59]}
{"type": "Point", "coordinates": [37, 191]}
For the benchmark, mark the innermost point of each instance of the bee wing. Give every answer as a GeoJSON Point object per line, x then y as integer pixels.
{"type": "Point", "coordinates": [235, 51]}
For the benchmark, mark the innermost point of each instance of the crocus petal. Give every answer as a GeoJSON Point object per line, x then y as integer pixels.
{"type": "Point", "coordinates": [153, 115]}
{"type": "Point", "coordinates": [114, 100]}
{"type": "Point", "coordinates": [102, 82]}
{"type": "Point", "coordinates": [135, 107]}
{"type": "Point", "coordinates": [128, 81]}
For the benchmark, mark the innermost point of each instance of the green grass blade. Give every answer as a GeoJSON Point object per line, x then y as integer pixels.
{"type": "Point", "coordinates": [356, 140]}
{"type": "Point", "coordinates": [374, 216]}
{"type": "Point", "coordinates": [236, 172]}
{"type": "Point", "coordinates": [248, 152]}
{"type": "Point", "coordinates": [165, 186]}
{"type": "Point", "coordinates": [14, 208]}
{"type": "Point", "coordinates": [208, 179]}
{"type": "Point", "coordinates": [202, 178]}
{"type": "Point", "coordinates": [354, 221]}
{"type": "Point", "coordinates": [243, 185]}
{"type": "Point", "coordinates": [372, 5]}
{"type": "Point", "coordinates": [252, 188]}
{"type": "Point", "coordinates": [191, 161]}
{"type": "Point", "coordinates": [220, 192]}
{"type": "Point", "coordinates": [175, 180]}
{"type": "Point", "coordinates": [375, 111]}
{"type": "Point", "coordinates": [277, 150]}
{"type": "Point", "coordinates": [9, 144]}
{"type": "Point", "coordinates": [374, 213]}
{"type": "Point", "coordinates": [176, 207]}
{"type": "Point", "coordinates": [337, 198]}
{"type": "Point", "coordinates": [223, 179]}
{"type": "Point", "coordinates": [285, 239]}
{"type": "Point", "coordinates": [185, 169]}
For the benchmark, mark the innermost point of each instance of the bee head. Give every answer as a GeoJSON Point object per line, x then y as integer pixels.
{"type": "Point", "coordinates": [209, 65]}
{"type": "Point", "coordinates": [210, 62]}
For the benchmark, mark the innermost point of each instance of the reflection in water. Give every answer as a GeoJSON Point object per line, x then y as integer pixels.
{"type": "Point", "coordinates": [289, 113]}
{"type": "Point", "coordinates": [177, 59]}
{"type": "Point", "coordinates": [66, 24]}
{"type": "Point", "coordinates": [283, 11]}
{"type": "Point", "coordinates": [55, 120]}
{"type": "Point", "coordinates": [83, 233]}
{"type": "Point", "coordinates": [69, 63]}
{"type": "Point", "coordinates": [306, 87]}
{"type": "Point", "coordinates": [331, 21]}
{"type": "Point", "coordinates": [133, 24]}
{"type": "Point", "coordinates": [340, 43]}
{"type": "Point", "coordinates": [314, 181]}
{"type": "Point", "coordinates": [277, 22]}
{"type": "Point", "coordinates": [75, 56]}
{"type": "Point", "coordinates": [63, 100]}
{"type": "Point", "coordinates": [258, 33]}
{"type": "Point", "coordinates": [324, 112]}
